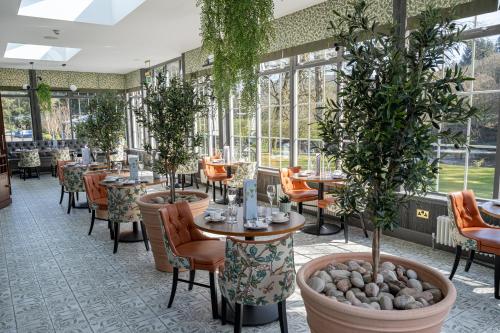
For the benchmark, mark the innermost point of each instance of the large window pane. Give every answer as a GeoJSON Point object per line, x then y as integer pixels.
{"type": "Point", "coordinates": [452, 170]}
{"type": "Point", "coordinates": [17, 116]}
{"type": "Point", "coordinates": [244, 130]}
{"type": "Point", "coordinates": [487, 63]}
{"type": "Point", "coordinates": [56, 123]}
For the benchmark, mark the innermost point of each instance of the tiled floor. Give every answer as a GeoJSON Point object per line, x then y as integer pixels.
{"type": "Point", "coordinates": [53, 277]}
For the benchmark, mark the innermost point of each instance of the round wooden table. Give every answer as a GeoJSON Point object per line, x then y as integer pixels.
{"type": "Point", "coordinates": [320, 228]}
{"type": "Point", "coordinates": [489, 208]}
{"type": "Point", "coordinates": [253, 315]}
{"type": "Point", "coordinates": [134, 235]}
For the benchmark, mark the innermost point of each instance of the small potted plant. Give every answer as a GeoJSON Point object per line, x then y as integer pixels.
{"type": "Point", "coordinates": [285, 204]}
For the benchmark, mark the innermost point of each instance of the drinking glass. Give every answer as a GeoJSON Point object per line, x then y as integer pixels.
{"type": "Point", "coordinates": [271, 193]}
{"type": "Point", "coordinates": [140, 165]}
{"type": "Point", "coordinates": [231, 196]}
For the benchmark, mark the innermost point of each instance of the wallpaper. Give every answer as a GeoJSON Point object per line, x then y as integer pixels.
{"type": "Point", "coordinates": [133, 79]}
{"type": "Point", "coordinates": [15, 78]}
{"type": "Point", "coordinates": [310, 25]}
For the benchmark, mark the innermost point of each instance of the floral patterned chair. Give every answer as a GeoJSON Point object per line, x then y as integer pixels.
{"type": "Point", "coordinates": [73, 183]}
{"type": "Point", "coordinates": [188, 248]}
{"type": "Point", "coordinates": [245, 170]}
{"type": "Point", "coordinates": [469, 230]}
{"type": "Point", "coordinates": [58, 155]}
{"type": "Point", "coordinates": [29, 160]}
{"type": "Point", "coordinates": [97, 196]}
{"type": "Point", "coordinates": [257, 273]}
{"type": "Point", "coordinates": [123, 208]}
{"type": "Point", "coordinates": [189, 169]}
{"type": "Point", "coordinates": [60, 177]}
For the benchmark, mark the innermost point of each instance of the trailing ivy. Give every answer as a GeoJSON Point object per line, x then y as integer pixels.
{"type": "Point", "coordinates": [237, 32]}
{"type": "Point", "coordinates": [44, 97]}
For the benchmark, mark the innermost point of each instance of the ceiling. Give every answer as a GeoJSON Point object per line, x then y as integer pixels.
{"type": "Point", "coordinates": [158, 30]}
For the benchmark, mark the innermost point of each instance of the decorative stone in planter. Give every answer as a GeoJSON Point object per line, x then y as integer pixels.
{"type": "Point", "coordinates": [149, 205]}
{"type": "Point", "coordinates": [345, 298]}
{"type": "Point", "coordinates": [285, 207]}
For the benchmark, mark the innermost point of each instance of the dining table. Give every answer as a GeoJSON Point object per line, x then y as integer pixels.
{"type": "Point", "coordinates": [490, 208]}
{"type": "Point", "coordinates": [253, 315]}
{"type": "Point", "coordinates": [123, 181]}
{"type": "Point", "coordinates": [321, 228]}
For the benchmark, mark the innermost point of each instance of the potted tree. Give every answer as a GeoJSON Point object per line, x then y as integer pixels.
{"type": "Point", "coordinates": [397, 92]}
{"type": "Point", "coordinates": [171, 111]}
{"type": "Point", "coordinates": [104, 126]}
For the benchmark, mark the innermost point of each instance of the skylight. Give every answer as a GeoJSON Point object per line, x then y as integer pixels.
{"type": "Point", "coordinates": [105, 12]}
{"type": "Point", "coordinates": [39, 52]}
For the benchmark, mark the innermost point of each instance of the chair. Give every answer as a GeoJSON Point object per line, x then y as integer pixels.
{"type": "Point", "coordinates": [73, 183]}
{"type": "Point", "coordinates": [60, 174]}
{"type": "Point", "coordinates": [297, 191]}
{"type": "Point", "coordinates": [257, 273]}
{"type": "Point", "coordinates": [214, 173]}
{"type": "Point", "coordinates": [28, 160]}
{"type": "Point", "coordinates": [469, 230]}
{"type": "Point", "coordinates": [97, 196]}
{"type": "Point", "coordinates": [58, 155]}
{"type": "Point", "coordinates": [245, 170]}
{"type": "Point", "coordinates": [188, 248]}
{"type": "Point", "coordinates": [123, 208]}
{"type": "Point", "coordinates": [189, 169]}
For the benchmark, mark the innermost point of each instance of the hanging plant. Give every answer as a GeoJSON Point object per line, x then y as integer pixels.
{"type": "Point", "coordinates": [237, 33]}
{"type": "Point", "coordinates": [44, 97]}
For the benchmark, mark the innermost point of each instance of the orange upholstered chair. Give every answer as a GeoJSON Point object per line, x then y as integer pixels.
{"type": "Point", "coordinates": [214, 173]}
{"type": "Point", "coordinates": [97, 195]}
{"type": "Point", "coordinates": [188, 248]}
{"type": "Point", "coordinates": [60, 175]}
{"type": "Point", "coordinates": [482, 236]}
{"type": "Point", "coordinates": [298, 191]}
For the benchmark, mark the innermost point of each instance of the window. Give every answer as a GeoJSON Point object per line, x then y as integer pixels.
{"type": "Point", "coordinates": [208, 126]}
{"type": "Point", "coordinates": [17, 116]}
{"type": "Point", "coordinates": [274, 98]}
{"type": "Point", "coordinates": [315, 85]}
{"type": "Point", "coordinates": [244, 140]}
{"type": "Point", "coordinates": [135, 131]}
{"type": "Point", "coordinates": [475, 168]}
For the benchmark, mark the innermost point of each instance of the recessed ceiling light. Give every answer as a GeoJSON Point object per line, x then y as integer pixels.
{"type": "Point", "coordinates": [50, 37]}
{"type": "Point", "coordinates": [106, 12]}
{"type": "Point", "coordinates": [39, 52]}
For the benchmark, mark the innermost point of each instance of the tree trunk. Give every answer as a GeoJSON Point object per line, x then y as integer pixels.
{"type": "Point", "coordinates": [376, 252]}
{"type": "Point", "coordinates": [172, 187]}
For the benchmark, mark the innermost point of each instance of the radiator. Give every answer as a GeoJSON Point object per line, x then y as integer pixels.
{"type": "Point", "coordinates": [443, 234]}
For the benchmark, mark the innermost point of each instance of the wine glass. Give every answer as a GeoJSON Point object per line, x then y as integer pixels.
{"type": "Point", "coordinates": [232, 192]}
{"type": "Point", "coordinates": [119, 167]}
{"type": "Point", "coordinates": [271, 193]}
{"type": "Point", "coordinates": [140, 165]}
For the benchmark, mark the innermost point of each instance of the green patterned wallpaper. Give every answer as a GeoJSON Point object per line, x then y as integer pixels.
{"type": "Point", "coordinates": [310, 25]}
{"type": "Point", "coordinates": [133, 79]}
{"type": "Point", "coordinates": [15, 78]}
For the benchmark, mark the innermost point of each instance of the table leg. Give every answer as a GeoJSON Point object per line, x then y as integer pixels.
{"type": "Point", "coordinates": [254, 315]}
{"type": "Point", "coordinates": [131, 236]}
{"type": "Point", "coordinates": [320, 228]}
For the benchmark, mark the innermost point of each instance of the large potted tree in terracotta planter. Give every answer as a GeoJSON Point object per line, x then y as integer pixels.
{"type": "Point", "coordinates": [394, 101]}
{"type": "Point", "coordinates": [170, 114]}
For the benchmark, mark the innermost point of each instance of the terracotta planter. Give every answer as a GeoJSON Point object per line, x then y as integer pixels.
{"type": "Point", "coordinates": [151, 219]}
{"type": "Point", "coordinates": [323, 313]}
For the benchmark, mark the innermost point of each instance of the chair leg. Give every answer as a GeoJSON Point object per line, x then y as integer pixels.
{"type": "Point", "coordinates": [174, 286]}
{"type": "Point", "coordinates": [497, 276]}
{"type": "Point", "coordinates": [77, 196]}
{"type": "Point", "coordinates": [196, 181]}
{"type": "Point", "coordinates": [111, 230]}
{"type": "Point", "coordinates": [458, 253]}
{"type": "Point", "coordinates": [191, 278]}
{"type": "Point", "coordinates": [62, 194]}
{"type": "Point", "coordinates": [24, 174]}
{"type": "Point", "coordinates": [361, 218]}
{"type": "Point", "coordinates": [213, 190]}
{"type": "Point", "coordinates": [220, 185]}
{"type": "Point", "coordinates": [70, 201]}
{"type": "Point", "coordinates": [223, 309]}
{"type": "Point", "coordinates": [208, 186]}
{"type": "Point", "coordinates": [346, 229]}
{"type": "Point", "coordinates": [145, 236]}
{"type": "Point", "coordinates": [300, 207]}
{"type": "Point", "coordinates": [92, 220]}
{"type": "Point", "coordinates": [116, 226]}
{"type": "Point", "coordinates": [37, 173]}
{"type": "Point", "coordinates": [183, 181]}
{"type": "Point", "coordinates": [238, 317]}
{"type": "Point", "coordinates": [470, 260]}
{"type": "Point", "coordinates": [213, 296]}
{"type": "Point", "coordinates": [282, 316]}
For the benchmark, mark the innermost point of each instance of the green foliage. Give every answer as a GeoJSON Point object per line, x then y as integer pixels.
{"type": "Point", "coordinates": [284, 199]}
{"type": "Point", "coordinates": [104, 127]}
{"type": "Point", "coordinates": [171, 111]}
{"type": "Point", "coordinates": [393, 102]}
{"type": "Point", "coordinates": [237, 32]}
{"type": "Point", "coordinates": [44, 97]}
